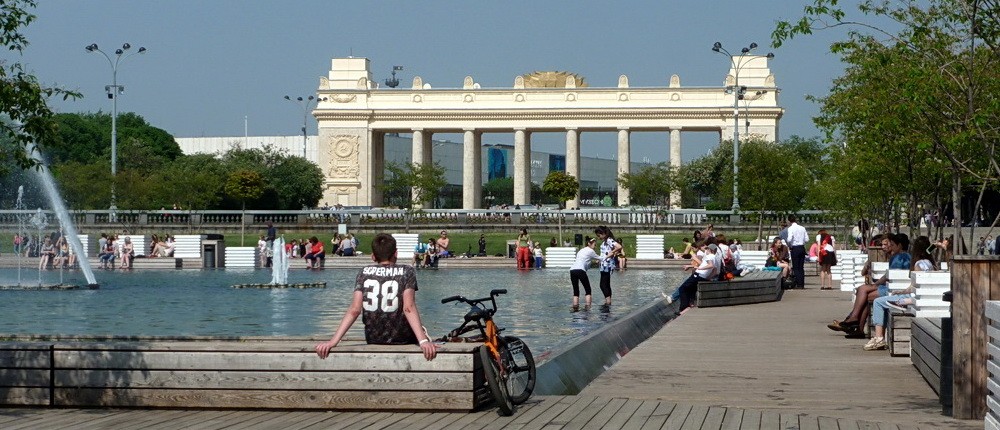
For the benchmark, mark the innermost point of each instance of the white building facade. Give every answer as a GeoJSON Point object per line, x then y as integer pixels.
{"type": "Point", "coordinates": [355, 116]}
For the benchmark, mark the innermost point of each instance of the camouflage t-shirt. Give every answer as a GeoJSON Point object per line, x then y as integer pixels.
{"type": "Point", "coordinates": [382, 289]}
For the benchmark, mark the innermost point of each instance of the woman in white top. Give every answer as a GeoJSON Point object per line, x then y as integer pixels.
{"type": "Point", "coordinates": [923, 262]}
{"type": "Point", "coordinates": [578, 272]}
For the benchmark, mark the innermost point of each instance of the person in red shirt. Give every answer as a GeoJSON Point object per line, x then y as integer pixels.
{"type": "Point", "coordinates": [316, 256]}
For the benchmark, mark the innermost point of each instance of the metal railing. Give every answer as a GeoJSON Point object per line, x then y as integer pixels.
{"type": "Point", "coordinates": [429, 218]}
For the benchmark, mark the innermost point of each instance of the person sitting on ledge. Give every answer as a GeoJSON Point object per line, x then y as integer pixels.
{"type": "Point", "coordinates": [316, 256]}
{"type": "Point", "coordinates": [922, 262]}
{"type": "Point", "coordinates": [703, 265]}
{"type": "Point", "coordinates": [895, 245]}
{"type": "Point", "coordinates": [46, 254]}
{"type": "Point", "coordinates": [419, 252]}
{"type": "Point", "coordinates": [385, 297]}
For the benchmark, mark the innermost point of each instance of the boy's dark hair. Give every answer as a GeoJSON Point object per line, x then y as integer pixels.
{"type": "Point", "coordinates": [383, 247]}
{"type": "Point", "coordinates": [792, 218]}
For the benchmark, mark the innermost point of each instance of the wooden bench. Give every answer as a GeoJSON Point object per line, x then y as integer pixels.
{"type": "Point", "coordinates": [930, 353]}
{"type": "Point", "coordinates": [246, 373]}
{"type": "Point", "coordinates": [898, 332]}
{"type": "Point", "coordinates": [756, 287]}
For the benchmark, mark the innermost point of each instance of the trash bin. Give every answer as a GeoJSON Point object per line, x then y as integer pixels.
{"type": "Point", "coordinates": [578, 239]}
{"type": "Point", "coordinates": [213, 251]}
{"type": "Point", "coordinates": [511, 249]}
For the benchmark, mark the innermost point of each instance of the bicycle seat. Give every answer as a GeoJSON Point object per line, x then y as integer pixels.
{"type": "Point", "coordinates": [477, 314]}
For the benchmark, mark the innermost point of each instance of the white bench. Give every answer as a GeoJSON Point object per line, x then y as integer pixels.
{"type": "Point", "coordinates": [405, 242]}
{"type": "Point", "coordinates": [241, 257]}
{"type": "Point", "coordinates": [753, 258]}
{"type": "Point", "coordinates": [649, 247]}
{"type": "Point", "coordinates": [898, 279]}
{"type": "Point", "coordinates": [849, 271]}
{"type": "Point", "coordinates": [187, 246]}
{"type": "Point", "coordinates": [562, 257]}
{"type": "Point", "coordinates": [139, 245]}
{"type": "Point", "coordinates": [929, 288]}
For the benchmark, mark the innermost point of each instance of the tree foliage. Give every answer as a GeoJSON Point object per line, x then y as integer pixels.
{"type": "Point", "coordinates": [561, 186]}
{"type": "Point", "coordinates": [413, 184]}
{"type": "Point", "coordinates": [22, 98]}
{"type": "Point", "coordinates": [243, 185]}
{"type": "Point", "coordinates": [651, 185]}
{"type": "Point", "coordinates": [917, 107]}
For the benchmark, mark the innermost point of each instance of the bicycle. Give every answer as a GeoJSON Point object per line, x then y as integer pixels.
{"type": "Point", "coordinates": [507, 361]}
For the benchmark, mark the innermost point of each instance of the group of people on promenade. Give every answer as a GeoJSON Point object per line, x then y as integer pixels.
{"type": "Point", "coordinates": [54, 251]}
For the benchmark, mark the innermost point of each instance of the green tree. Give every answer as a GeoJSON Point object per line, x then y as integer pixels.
{"type": "Point", "coordinates": [22, 98]}
{"type": "Point", "coordinates": [651, 185]}
{"type": "Point", "coordinates": [244, 185]}
{"type": "Point", "coordinates": [925, 83]}
{"type": "Point", "coordinates": [296, 182]}
{"type": "Point", "coordinates": [502, 191]}
{"type": "Point", "coordinates": [412, 183]}
{"type": "Point", "coordinates": [560, 185]}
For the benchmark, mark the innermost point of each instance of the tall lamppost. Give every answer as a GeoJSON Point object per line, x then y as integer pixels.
{"type": "Point", "coordinates": [304, 103]}
{"type": "Point", "coordinates": [737, 62]}
{"type": "Point", "coordinates": [114, 90]}
{"type": "Point", "coordinates": [746, 107]}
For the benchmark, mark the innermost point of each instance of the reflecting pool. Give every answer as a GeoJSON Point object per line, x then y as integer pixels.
{"type": "Point", "coordinates": [202, 303]}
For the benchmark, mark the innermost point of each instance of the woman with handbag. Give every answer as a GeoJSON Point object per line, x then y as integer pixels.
{"type": "Point", "coordinates": [827, 259]}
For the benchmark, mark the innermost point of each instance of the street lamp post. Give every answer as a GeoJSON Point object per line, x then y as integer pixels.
{"type": "Point", "coordinates": [114, 90]}
{"type": "Point", "coordinates": [304, 103]}
{"type": "Point", "coordinates": [737, 62]}
{"type": "Point", "coordinates": [746, 108]}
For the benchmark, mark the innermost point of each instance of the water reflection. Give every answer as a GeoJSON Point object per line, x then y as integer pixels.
{"type": "Point", "coordinates": [201, 302]}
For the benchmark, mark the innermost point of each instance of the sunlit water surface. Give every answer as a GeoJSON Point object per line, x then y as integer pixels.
{"type": "Point", "coordinates": [202, 303]}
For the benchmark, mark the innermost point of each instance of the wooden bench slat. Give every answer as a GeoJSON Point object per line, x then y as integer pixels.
{"type": "Point", "coordinates": [24, 396]}
{"type": "Point", "coordinates": [25, 359]}
{"type": "Point", "coordinates": [305, 399]}
{"type": "Point", "coordinates": [157, 360]}
{"type": "Point", "coordinates": [244, 345]}
{"type": "Point", "coordinates": [359, 381]}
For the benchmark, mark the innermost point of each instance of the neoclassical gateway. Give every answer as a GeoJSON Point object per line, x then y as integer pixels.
{"type": "Point", "coordinates": [354, 116]}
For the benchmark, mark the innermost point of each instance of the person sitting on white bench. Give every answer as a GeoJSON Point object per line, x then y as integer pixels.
{"type": "Point", "coordinates": [923, 262]}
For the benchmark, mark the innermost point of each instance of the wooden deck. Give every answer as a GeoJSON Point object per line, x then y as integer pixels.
{"type": "Point", "coordinates": [552, 412]}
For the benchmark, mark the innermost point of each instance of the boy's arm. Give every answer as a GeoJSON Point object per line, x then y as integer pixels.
{"type": "Point", "coordinates": [323, 349]}
{"type": "Point", "coordinates": [413, 317]}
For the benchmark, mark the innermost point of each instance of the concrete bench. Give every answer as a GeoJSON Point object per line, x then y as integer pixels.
{"type": "Point", "coordinates": [240, 373]}
{"type": "Point", "coordinates": [930, 353]}
{"type": "Point", "coordinates": [649, 247]}
{"type": "Point", "coordinates": [756, 287]}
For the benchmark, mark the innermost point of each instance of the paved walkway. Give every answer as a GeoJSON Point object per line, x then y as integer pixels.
{"type": "Point", "coordinates": [776, 357]}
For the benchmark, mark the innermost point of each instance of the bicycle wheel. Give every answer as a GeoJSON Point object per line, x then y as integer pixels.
{"type": "Point", "coordinates": [496, 382]}
{"type": "Point", "coordinates": [521, 367]}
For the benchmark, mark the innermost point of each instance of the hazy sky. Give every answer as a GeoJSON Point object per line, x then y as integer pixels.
{"type": "Point", "coordinates": [211, 63]}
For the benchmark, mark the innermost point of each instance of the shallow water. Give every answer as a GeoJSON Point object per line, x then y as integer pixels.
{"type": "Point", "coordinates": [202, 303]}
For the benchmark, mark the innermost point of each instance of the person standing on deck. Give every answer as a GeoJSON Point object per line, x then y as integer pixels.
{"type": "Point", "coordinates": [797, 238]}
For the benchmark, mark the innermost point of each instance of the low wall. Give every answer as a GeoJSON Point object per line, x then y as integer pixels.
{"type": "Point", "coordinates": [570, 369]}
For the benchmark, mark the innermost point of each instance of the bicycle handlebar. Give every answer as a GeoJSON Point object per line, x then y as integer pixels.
{"type": "Point", "coordinates": [493, 293]}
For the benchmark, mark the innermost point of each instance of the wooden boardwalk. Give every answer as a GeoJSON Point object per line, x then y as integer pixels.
{"type": "Point", "coordinates": [552, 412]}
{"type": "Point", "coordinates": [763, 366]}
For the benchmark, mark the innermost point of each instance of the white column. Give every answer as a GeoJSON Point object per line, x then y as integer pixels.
{"type": "Point", "coordinates": [377, 168]}
{"type": "Point", "coordinates": [573, 162]}
{"type": "Point", "coordinates": [675, 162]}
{"type": "Point", "coordinates": [624, 163]}
{"type": "Point", "coordinates": [419, 149]}
{"type": "Point", "coordinates": [472, 170]}
{"type": "Point", "coordinates": [522, 167]}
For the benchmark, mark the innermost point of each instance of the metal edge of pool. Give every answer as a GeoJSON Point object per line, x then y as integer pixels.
{"type": "Point", "coordinates": [570, 369]}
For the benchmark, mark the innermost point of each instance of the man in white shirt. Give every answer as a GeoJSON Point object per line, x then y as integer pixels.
{"type": "Point", "coordinates": [704, 272]}
{"type": "Point", "coordinates": [797, 238]}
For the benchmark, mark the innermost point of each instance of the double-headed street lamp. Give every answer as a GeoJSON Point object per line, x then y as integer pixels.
{"type": "Point", "coordinates": [114, 90]}
{"type": "Point", "coordinates": [306, 104]}
{"type": "Point", "coordinates": [737, 62]}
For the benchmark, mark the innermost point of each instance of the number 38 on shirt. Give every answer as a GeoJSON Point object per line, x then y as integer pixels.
{"type": "Point", "coordinates": [384, 296]}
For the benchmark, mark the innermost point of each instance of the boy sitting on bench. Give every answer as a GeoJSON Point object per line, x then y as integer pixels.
{"type": "Point", "coordinates": [384, 294]}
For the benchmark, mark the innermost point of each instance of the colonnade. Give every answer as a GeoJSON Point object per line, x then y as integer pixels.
{"type": "Point", "coordinates": [472, 165]}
